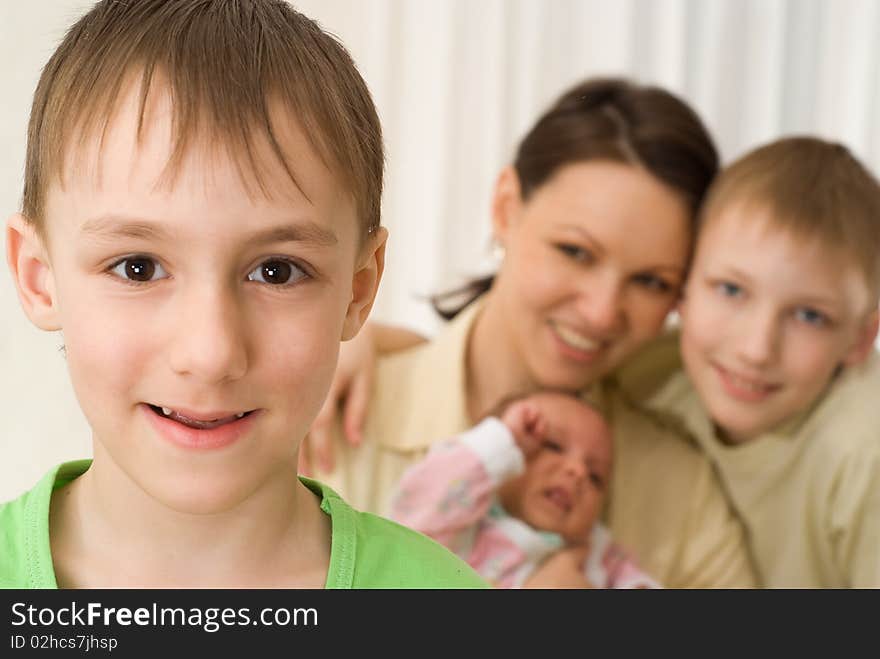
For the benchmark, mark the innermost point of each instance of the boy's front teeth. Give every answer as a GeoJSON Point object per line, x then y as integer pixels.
{"type": "Point", "coordinates": [168, 413]}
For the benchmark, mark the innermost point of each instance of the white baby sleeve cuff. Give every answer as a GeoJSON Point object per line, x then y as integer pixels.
{"type": "Point", "coordinates": [494, 445]}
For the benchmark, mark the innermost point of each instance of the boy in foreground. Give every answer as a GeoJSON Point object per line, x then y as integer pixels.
{"type": "Point", "coordinates": [201, 220]}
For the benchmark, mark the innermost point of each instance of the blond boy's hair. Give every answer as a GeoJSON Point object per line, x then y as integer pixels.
{"type": "Point", "coordinates": [225, 63]}
{"type": "Point", "coordinates": [814, 189]}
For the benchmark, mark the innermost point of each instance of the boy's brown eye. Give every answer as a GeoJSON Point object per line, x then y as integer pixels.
{"type": "Point", "coordinates": [278, 272]}
{"type": "Point", "coordinates": [140, 269]}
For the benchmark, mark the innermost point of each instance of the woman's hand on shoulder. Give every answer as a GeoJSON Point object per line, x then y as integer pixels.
{"type": "Point", "coordinates": [351, 392]}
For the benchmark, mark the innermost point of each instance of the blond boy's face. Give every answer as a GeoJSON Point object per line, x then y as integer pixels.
{"type": "Point", "coordinates": [766, 321]}
{"type": "Point", "coordinates": [225, 309]}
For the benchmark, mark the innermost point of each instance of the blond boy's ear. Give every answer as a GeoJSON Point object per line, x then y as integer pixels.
{"type": "Point", "coordinates": [506, 203]}
{"type": "Point", "coordinates": [365, 283]}
{"type": "Point", "coordinates": [29, 262]}
{"type": "Point", "coordinates": [865, 340]}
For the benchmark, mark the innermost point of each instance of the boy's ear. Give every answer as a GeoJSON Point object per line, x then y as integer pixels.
{"type": "Point", "coordinates": [29, 262]}
{"type": "Point", "coordinates": [365, 283]}
{"type": "Point", "coordinates": [865, 340]}
{"type": "Point", "coordinates": [506, 203]}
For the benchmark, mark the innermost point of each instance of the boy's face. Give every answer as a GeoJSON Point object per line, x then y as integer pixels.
{"type": "Point", "coordinates": [201, 299]}
{"type": "Point", "coordinates": [563, 487]}
{"type": "Point", "coordinates": [766, 320]}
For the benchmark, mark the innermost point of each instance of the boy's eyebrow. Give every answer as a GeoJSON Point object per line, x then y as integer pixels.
{"type": "Point", "coordinates": [304, 232]}
{"type": "Point", "coordinates": [127, 227]}
{"type": "Point", "coordinates": [123, 227]}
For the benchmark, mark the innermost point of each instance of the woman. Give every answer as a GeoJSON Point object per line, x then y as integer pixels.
{"type": "Point", "coordinates": [595, 218]}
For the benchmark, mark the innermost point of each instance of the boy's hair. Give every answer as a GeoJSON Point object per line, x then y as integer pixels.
{"type": "Point", "coordinates": [226, 62]}
{"type": "Point", "coordinates": [814, 189]}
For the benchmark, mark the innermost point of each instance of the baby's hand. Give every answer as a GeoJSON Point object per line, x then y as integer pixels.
{"type": "Point", "coordinates": [564, 569]}
{"type": "Point", "coordinates": [525, 421]}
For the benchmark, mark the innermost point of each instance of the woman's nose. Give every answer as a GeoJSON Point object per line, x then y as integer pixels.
{"type": "Point", "coordinates": [601, 304]}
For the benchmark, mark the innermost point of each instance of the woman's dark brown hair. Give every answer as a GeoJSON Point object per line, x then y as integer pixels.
{"type": "Point", "coordinates": [609, 119]}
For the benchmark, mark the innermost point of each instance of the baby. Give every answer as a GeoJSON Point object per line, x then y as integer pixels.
{"type": "Point", "coordinates": [526, 484]}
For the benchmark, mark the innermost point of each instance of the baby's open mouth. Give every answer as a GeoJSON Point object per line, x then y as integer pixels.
{"type": "Point", "coordinates": [560, 497]}
{"type": "Point", "coordinates": [200, 424]}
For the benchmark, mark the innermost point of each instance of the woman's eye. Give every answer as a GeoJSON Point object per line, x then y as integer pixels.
{"type": "Point", "coordinates": [575, 252]}
{"type": "Point", "coordinates": [811, 317]}
{"type": "Point", "coordinates": [277, 272]}
{"type": "Point", "coordinates": [654, 283]}
{"type": "Point", "coordinates": [728, 289]}
{"type": "Point", "coordinates": [139, 269]}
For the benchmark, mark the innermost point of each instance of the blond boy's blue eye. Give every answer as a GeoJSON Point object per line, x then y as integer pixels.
{"type": "Point", "coordinates": [139, 269]}
{"type": "Point", "coordinates": [728, 289]}
{"type": "Point", "coordinates": [811, 316]}
{"type": "Point", "coordinates": [277, 272]}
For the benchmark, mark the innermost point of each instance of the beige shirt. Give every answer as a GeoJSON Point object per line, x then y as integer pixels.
{"type": "Point", "coordinates": [665, 504]}
{"type": "Point", "coordinates": [809, 492]}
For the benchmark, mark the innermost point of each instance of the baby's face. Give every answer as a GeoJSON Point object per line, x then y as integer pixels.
{"type": "Point", "coordinates": [564, 484]}
{"type": "Point", "coordinates": [201, 320]}
{"type": "Point", "coordinates": [766, 321]}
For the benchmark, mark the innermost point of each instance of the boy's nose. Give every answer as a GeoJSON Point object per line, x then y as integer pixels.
{"type": "Point", "coordinates": [759, 338]}
{"type": "Point", "coordinates": [208, 340]}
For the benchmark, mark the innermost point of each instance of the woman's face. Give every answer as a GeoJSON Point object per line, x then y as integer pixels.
{"type": "Point", "coordinates": [594, 261]}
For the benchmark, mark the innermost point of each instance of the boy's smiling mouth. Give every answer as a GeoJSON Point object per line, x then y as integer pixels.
{"type": "Point", "coordinates": [200, 430]}
{"type": "Point", "coordinates": [199, 421]}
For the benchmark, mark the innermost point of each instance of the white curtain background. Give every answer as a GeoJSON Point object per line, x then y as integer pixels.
{"type": "Point", "coordinates": [457, 83]}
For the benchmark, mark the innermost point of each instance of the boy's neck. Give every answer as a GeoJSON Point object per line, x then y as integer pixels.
{"type": "Point", "coordinates": [108, 532]}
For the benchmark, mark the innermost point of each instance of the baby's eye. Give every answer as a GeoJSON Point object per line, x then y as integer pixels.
{"type": "Point", "coordinates": [728, 289]}
{"type": "Point", "coordinates": [811, 317]}
{"type": "Point", "coordinates": [139, 269]}
{"type": "Point", "coordinates": [550, 445]}
{"type": "Point", "coordinates": [596, 480]}
{"type": "Point", "coordinates": [277, 272]}
{"type": "Point", "coordinates": [576, 252]}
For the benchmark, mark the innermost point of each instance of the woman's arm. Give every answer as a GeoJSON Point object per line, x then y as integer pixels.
{"type": "Point", "coordinates": [351, 390]}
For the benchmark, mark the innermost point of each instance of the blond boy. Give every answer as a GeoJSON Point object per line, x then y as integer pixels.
{"type": "Point", "coordinates": [201, 221]}
{"type": "Point", "coordinates": [782, 384]}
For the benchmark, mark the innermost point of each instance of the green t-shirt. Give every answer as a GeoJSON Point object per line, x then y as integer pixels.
{"type": "Point", "coordinates": [367, 551]}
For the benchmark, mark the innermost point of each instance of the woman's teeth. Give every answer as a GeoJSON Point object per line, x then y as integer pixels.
{"type": "Point", "coordinates": [576, 340]}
